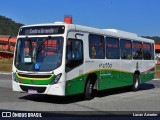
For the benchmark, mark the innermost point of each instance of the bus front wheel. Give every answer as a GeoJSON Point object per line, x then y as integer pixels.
{"type": "Point", "coordinates": [136, 82]}
{"type": "Point", "coordinates": [88, 94]}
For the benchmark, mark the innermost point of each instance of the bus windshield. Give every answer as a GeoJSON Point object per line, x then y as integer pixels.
{"type": "Point", "coordinates": [46, 52]}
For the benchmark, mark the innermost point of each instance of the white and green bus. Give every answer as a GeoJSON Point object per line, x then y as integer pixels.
{"type": "Point", "coordinates": [66, 59]}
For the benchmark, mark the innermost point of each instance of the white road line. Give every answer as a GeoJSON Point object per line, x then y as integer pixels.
{"type": "Point", "coordinates": [5, 73]}
{"type": "Point", "coordinates": [156, 79]}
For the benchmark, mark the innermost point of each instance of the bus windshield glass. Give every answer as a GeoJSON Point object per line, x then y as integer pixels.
{"type": "Point", "coordinates": [46, 52]}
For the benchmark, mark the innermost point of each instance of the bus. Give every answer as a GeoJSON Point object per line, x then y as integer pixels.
{"type": "Point", "coordinates": [65, 59]}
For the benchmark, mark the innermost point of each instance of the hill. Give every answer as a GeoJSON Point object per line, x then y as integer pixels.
{"type": "Point", "coordinates": [8, 26]}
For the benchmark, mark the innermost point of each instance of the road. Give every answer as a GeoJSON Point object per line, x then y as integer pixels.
{"type": "Point", "coordinates": [121, 99]}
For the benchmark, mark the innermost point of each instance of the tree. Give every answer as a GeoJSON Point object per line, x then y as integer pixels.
{"type": "Point", "coordinates": [8, 26]}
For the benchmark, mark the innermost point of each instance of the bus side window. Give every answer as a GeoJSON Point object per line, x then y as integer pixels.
{"type": "Point", "coordinates": [137, 50]}
{"type": "Point", "coordinates": [112, 48]}
{"type": "Point", "coordinates": [96, 46]}
{"type": "Point", "coordinates": [146, 51]}
{"type": "Point", "coordinates": [74, 53]}
{"type": "Point", "coordinates": [126, 49]}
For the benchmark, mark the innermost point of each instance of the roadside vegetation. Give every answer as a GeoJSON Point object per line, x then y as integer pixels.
{"type": "Point", "coordinates": [157, 75]}
{"type": "Point", "coordinates": [8, 26]}
{"type": "Point", "coordinates": [6, 65]}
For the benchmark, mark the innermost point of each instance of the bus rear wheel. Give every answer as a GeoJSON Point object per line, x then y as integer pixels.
{"type": "Point", "coordinates": [136, 82]}
{"type": "Point", "coordinates": [88, 94]}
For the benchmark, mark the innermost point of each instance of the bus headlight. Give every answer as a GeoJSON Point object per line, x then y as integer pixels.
{"type": "Point", "coordinates": [56, 79]}
{"type": "Point", "coordinates": [14, 77]}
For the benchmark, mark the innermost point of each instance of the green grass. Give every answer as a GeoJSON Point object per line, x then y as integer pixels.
{"type": "Point", "coordinates": [6, 65]}
{"type": "Point", "coordinates": [158, 67]}
{"type": "Point", "coordinates": [157, 75]}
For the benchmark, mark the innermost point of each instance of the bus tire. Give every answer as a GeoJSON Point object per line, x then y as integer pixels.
{"type": "Point", "coordinates": [88, 94]}
{"type": "Point", "coordinates": [136, 82]}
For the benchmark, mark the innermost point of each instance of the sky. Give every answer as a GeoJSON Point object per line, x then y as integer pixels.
{"type": "Point", "coordinates": [138, 16]}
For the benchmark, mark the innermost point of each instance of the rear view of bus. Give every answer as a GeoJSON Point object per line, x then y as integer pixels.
{"type": "Point", "coordinates": [38, 65]}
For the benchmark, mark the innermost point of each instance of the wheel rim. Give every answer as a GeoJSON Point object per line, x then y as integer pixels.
{"type": "Point", "coordinates": [136, 84]}
{"type": "Point", "coordinates": [90, 89]}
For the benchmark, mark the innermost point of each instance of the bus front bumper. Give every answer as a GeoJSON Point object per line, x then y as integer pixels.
{"type": "Point", "coordinates": [55, 89]}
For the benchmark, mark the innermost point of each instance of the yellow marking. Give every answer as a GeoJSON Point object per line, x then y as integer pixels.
{"type": "Point", "coordinates": [102, 70]}
{"type": "Point", "coordinates": [22, 78]}
{"type": "Point", "coordinates": [107, 69]}
{"type": "Point", "coordinates": [115, 70]}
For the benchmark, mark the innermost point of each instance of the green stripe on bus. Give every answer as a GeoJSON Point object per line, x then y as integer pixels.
{"type": "Point", "coordinates": [111, 79]}
{"type": "Point", "coordinates": [148, 75]}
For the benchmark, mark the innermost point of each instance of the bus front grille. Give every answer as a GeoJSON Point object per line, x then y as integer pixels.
{"type": "Point", "coordinates": [34, 76]}
{"type": "Point", "coordinates": [38, 89]}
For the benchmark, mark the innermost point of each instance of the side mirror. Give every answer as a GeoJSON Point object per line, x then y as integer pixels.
{"type": "Point", "coordinates": [68, 62]}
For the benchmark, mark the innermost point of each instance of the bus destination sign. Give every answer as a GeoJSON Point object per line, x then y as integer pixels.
{"type": "Point", "coordinates": [42, 30]}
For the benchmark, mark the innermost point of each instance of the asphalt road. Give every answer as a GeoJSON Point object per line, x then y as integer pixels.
{"type": "Point", "coordinates": [121, 99]}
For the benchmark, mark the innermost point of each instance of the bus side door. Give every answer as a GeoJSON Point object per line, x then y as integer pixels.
{"type": "Point", "coordinates": [75, 63]}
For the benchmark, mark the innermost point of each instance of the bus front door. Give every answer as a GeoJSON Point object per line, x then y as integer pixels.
{"type": "Point", "coordinates": [74, 64]}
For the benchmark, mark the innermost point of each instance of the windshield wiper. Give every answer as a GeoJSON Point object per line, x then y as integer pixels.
{"type": "Point", "coordinates": [41, 44]}
{"type": "Point", "coordinates": [39, 47]}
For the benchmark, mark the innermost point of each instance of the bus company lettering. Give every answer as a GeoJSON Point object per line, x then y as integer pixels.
{"type": "Point", "coordinates": [106, 65]}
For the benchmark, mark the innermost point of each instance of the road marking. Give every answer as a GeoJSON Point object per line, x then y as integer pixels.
{"type": "Point", "coordinates": [5, 73]}
{"type": "Point", "coordinates": [156, 79]}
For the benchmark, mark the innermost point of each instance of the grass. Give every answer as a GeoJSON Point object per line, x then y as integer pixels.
{"type": "Point", "coordinates": [157, 74]}
{"type": "Point", "coordinates": [6, 66]}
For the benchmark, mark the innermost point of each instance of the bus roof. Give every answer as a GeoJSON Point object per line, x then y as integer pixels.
{"type": "Point", "coordinates": [108, 32]}
{"type": "Point", "coordinates": [114, 33]}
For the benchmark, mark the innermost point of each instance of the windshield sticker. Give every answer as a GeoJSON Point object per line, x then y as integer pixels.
{"type": "Point", "coordinates": [27, 60]}
{"type": "Point", "coordinates": [36, 66]}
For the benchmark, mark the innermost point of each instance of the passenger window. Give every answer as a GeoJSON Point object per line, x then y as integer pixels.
{"type": "Point", "coordinates": [112, 48]}
{"type": "Point", "coordinates": [74, 53]}
{"type": "Point", "coordinates": [96, 47]}
{"type": "Point", "coordinates": [146, 51]}
{"type": "Point", "coordinates": [126, 49]}
{"type": "Point", "coordinates": [137, 50]}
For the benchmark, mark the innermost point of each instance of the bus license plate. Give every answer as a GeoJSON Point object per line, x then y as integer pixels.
{"type": "Point", "coordinates": [32, 91]}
